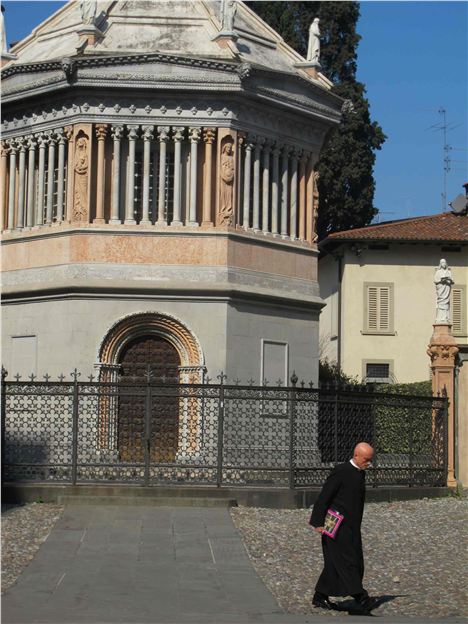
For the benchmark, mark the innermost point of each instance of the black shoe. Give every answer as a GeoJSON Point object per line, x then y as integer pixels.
{"type": "Point", "coordinates": [322, 602]}
{"type": "Point", "coordinates": [367, 603]}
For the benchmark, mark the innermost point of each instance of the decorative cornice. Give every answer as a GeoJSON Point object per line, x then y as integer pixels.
{"type": "Point", "coordinates": [70, 65]}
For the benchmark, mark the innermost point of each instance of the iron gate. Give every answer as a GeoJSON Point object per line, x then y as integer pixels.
{"type": "Point", "coordinates": [214, 434]}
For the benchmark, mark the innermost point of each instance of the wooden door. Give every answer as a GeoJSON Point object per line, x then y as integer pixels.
{"type": "Point", "coordinates": [154, 355]}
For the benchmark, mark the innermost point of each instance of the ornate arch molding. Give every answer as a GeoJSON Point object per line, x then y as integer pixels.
{"type": "Point", "coordinates": [151, 323]}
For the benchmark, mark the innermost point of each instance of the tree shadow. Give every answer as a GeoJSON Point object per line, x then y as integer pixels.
{"type": "Point", "coordinates": [351, 607]}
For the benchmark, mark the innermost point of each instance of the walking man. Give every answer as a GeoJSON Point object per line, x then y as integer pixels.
{"type": "Point", "coordinates": [344, 492]}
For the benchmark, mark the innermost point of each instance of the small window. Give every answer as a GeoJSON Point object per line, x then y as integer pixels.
{"type": "Point", "coordinates": [378, 308]}
{"type": "Point", "coordinates": [378, 371]}
{"type": "Point", "coordinates": [458, 310]}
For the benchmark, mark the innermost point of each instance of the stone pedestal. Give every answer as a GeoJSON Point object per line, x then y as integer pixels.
{"type": "Point", "coordinates": [310, 67]}
{"type": "Point", "coordinates": [443, 350]}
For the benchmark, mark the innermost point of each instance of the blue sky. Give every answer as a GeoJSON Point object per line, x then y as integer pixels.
{"type": "Point", "coordinates": [413, 59]}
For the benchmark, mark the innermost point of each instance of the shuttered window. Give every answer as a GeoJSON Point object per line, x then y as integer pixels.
{"type": "Point", "coordinates": [458, 310]}
{"type": "Point", "coordinates": [378, 308]}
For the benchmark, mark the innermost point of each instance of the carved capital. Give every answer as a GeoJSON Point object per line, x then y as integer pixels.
{"type": "Point", "coordinates": [61, 138]}
{"type": "Point", "coordinates": [21, 143]}
{"type": "Point", "coordinates": [267, 145]}
{"type": "Point", "coordinates": [42, 140]}
{"type": "Point", "coordinates": [178, 134]}
{"type": "Point", "coordinates": [101, 131]}
{"type": "Point", "coordinates": [117, 132]}
{"type": "Point", "coordinates": [13, 147]}
{"type": "Point", "coordinates": [259, 143]}
{"type": "Point", "coordinates": [194, 134]}
{"type": "Point", "coordinates": [209, 135]}
{"type": "Point", "coordinates": [68, 132]}
{"type": "Point", "coordinates": [133, 132]}
{"type": "Point", "coordinates": [148, 133]}
{"type": "Point", "coordinates": [4, 149]}
{"type": "Point", "coordinates": [442, 355]}
{"type": "Point", "coordinates": [32, 143]}
{"type": "Point", "coordinates": [163, 133]}
{"type": "Point", "coordinates": [286, 151]}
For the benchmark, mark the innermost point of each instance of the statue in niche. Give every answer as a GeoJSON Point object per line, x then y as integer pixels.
{"type": "Point", "coordinates": [88, 10]}
{"type": "Point", "coordinates": [443, 282]}
{"type": "Point", "coordinates": [228, 12]}
{"type": "Point", "coordinates": [313, 50]}
{"type": "Point", "coordinates": [227, 184]}
{"type": "Point", "coordinates": [80, 204]}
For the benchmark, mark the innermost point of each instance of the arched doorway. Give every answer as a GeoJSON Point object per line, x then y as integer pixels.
{"type": "Point", "coordinates": [154, 358]}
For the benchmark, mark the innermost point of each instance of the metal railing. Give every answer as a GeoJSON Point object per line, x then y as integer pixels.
{"type": "Point", "coordinates": [218, 434]}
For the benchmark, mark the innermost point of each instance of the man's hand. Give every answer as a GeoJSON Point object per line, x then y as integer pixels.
{"type": "Point", "coordinates": [318, 529]}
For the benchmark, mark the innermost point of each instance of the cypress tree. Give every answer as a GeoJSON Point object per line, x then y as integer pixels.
{"type": "Point", "coordinates": [346, 184]}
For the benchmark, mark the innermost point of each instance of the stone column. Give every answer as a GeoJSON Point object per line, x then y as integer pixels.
{"type": "Point", "coordinates": [293, 201]}
{"type": "Point", "coordinates": [61, 173]}
{"type": "Point", "coordinates": [163, 136]}
{"type": "Point", "coordinates": [178, 135]}
{"type": "Point", "coordinates": [50, 179]}
{"type": "Point", "coordinates": [194, 134]}
{"type": "Point", "coordinates": [3, 184]}
{"type": "Point", "coordinates": [302, 195]}
{"type": "Point", "coordinates": [148, 136]}
{"type": "Point", "coordinates": [209, 135]}
{"type": "Point", "coordinates": [256, 184]}
{"type": "Point", "coordinates": [309, 200]}
{"type": "Point", "coordinates": [247, 174]}
{"type": "Point", "coordinates": [266, 186]}
{"type": "Point", "coordinates": [21, 179]}
{"type": "Point", "coordinates": [42, 143]}
{"type": "Point", "coordinates": [130, 206]}
{"type": "Point", "coordinates": [284, 191]}
{"type": "Point", "coordinates": [69, 194]}
{"type": "Point", "coordinates": [117, 132]}
{"type": "Point", "coordinates": [275, 191]}
{"type": "Point", "coordinates": [31, 178]}
{"type": "Point", "coordinates": [12, 185]}
{"type": "Point", "coordinates": [101, 133]}
{"type": "Point", "coordinates": [443, 350]}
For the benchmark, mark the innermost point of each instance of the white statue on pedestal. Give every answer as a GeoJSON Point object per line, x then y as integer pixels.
{"type": "Point", "coordinates": [3, 34]}
{"type": "Point", "coordinates": [228, 12]}
{"type": "Point", "coordinates": [313, 51]}
{"type": "Point", "coordinates": [88, 10]}
{"type": "Point", "coordinates": [443, 282]}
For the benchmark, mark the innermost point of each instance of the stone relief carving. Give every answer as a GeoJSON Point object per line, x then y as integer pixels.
{"type": "Point", "coordinates": [80, 198]}
{"type": "Point", "coordinates": [227, 171]}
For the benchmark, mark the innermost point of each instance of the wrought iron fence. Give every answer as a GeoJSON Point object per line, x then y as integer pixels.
{"type": "Point", "coordinates": [217, 434]}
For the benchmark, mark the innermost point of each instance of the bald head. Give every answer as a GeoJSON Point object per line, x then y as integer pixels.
{"type": "Point", "coordinates": [362, 455]}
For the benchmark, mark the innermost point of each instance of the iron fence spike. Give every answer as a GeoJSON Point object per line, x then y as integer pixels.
{"type": "Point", "coordinates": [294, 378]}
{"type": "Point", "coordinates": [46, 377]}
{"type": "Point", "coordinates": [302, 383]}
{"type": "Point", "coordinates": [4, 373]}
{"type": "Point", "coordinates": [279, 383]}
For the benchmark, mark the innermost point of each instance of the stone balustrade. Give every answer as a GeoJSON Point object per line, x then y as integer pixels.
{"type": "Point", "coordinates": [158, 176]}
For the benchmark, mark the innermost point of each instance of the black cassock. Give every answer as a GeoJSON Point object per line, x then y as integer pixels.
{"type": "Point", "coordinates": [344, 491]}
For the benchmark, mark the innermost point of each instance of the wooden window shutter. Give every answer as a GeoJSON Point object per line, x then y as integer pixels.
{"type": "Point", "coordinates": [379, 308]}
{"type": "Point", "coordinates": [458, 324]}
{"type": "Point", "coordinates": [373, 308]}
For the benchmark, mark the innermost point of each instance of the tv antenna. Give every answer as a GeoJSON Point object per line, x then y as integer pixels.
{"type": "Point", "coordinates": [445, 127]}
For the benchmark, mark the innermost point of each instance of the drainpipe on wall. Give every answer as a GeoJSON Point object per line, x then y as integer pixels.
{"type": "Point", "coordinates": [340, 277]}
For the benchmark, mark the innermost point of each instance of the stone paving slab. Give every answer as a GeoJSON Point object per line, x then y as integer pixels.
{"type": "Point", "coordinates": [158, 565]}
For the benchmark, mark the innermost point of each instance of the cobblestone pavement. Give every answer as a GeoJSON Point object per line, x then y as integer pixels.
{"type": "Point", "coordinates": [415, 554]}
{"type": "Point", "coordinates": [415, 551]}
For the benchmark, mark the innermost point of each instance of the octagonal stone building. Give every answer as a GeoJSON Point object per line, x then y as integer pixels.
{"type": "Point", "coordinates": [158, 194]}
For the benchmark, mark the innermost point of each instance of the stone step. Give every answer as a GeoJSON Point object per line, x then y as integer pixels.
{"type": "Point", "coordinates": [157, 501]}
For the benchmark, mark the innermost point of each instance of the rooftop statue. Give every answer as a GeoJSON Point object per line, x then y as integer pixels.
{"type": "Point", "coordinates": [3, 34]}
{"type": "Point", "coordinates": [228, 12]}
{"type": "Point", "coordinates": [88, 10]}
{"type": "Point", "coordinates": [313, 51]}
{"type": "Point", "coordinates": [443, 282]}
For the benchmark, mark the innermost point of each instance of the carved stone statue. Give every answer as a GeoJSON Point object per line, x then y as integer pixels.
{"type": "Point", "coordinates": [228, 12]}
{"type": "Point", "coordinates": [443, 282]}
{"type": "Point", "coordinates": [315, 203]}
{"type": "Point", "coordinates": [313, 50]}
{"type": "Point", "coordinates": [88, 10]}
{"type": "Point", "coordinates": [80, 204]}
{"type": "Point", "coordinates": [3, 33]}
{"type": "Point", "coordinates": [226, 186]}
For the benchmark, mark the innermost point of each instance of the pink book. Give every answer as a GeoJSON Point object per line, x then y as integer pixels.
{"type": "Point", "coordinates": [332, 522]}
